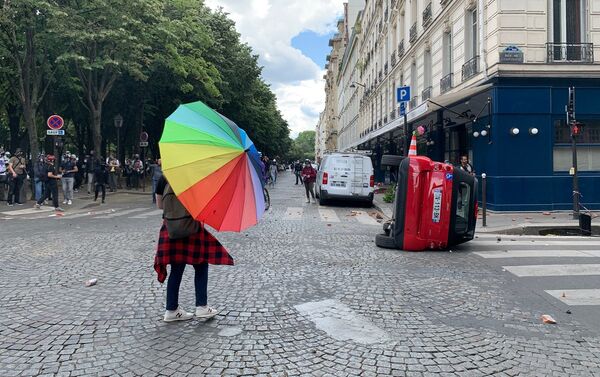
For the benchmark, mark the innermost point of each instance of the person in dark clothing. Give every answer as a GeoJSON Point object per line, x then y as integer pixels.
{"type": "Point", "coordinates": [51, 184]}
{"type": "Point", "coordinates": [17, 168]}
{"type": "Point", "coordinates": [298, 172]}
{"type": "Point", "coordinates": [101, 177]}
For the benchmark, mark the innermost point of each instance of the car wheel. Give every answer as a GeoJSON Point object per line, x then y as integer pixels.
{"type": "Point", "coordinates": [322, 200]}
{"type": "Point", "coordinates": [385, 242]}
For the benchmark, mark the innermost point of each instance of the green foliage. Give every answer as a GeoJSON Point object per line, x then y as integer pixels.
{"type": "Point", "coordinates": [140, 59]}
{"type": "Point", "coordinates": [303, 146]}
{"type": "Point", "coordinates": [389, 195]}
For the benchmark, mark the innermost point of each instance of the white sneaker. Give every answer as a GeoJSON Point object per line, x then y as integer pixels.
{"type": "Point", "coordinates": [37, 206]}
{"type": "Point", "coordinates": [64, 202]}
{"type": "Point", "coordinates": [69, 202]}
{"type": "Point", "coordinates": [177, 315]}
{"type": "Point", "coordinates": [308, 200]}
{"type": "Point", "coordinates": [206, 312]}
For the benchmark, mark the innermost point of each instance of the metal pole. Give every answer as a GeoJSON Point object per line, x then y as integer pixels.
{"type": "Point", "coordinates": [406, 134]}
{"type": "Point", "coordinates": [571, 122]}
{"type": "Point", "coordinates": [484, 198]}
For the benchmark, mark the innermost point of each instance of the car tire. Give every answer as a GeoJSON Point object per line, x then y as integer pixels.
{"type": "Point", "coordinates": [391, 160]}
{"type": "Point", "coordinates": [322, 200]}
{"type": "Point", "coordinates": [385, 242]}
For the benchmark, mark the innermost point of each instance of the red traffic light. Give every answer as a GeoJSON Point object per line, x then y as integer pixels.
{"type": "Point", "coordinates": [576, 129]}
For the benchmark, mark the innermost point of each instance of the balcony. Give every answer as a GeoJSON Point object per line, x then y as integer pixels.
{"type": "Point", "coordinates": [413, 102]}
{"type": "Point", "coordinates": [392, 114]}
{"type": "Point", "coordinates": [412, 35]}
{"type": "Point", "coordinates": [379, 124]}
{"type": "Point", "coordinates": [385, 119]}
{"type": "Point", "coordinates": [385, 68]}
{"type": "Point", "coordinates": [426, 93]}
{"type": "Point", "coordinates": [427, 16]}
{"type": "Point", "coordinates": [380, 75]}
{"type": "Point", "coordinates": [470, 68]}
{"type": "Point", "coordinates": [393, 59]}
{"type": "Point", "coordinates": [570, 52]}
{"type": "Point", "coordinates": [401, 48]}
{"type": "Point", "coordinates": [445, 2]}
{"type": "Point", "coordinates": [446, 83]}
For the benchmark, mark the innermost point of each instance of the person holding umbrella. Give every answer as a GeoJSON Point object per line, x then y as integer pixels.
{"type": "Point", "coordinates": [211, 176]}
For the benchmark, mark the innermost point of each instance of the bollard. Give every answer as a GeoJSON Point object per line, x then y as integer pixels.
{"type": "Point", "coordinates": [483, 198]}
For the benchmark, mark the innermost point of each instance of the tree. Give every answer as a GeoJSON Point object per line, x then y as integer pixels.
{"type": "Point", "coordinates": [28, 38]}
{"type": "Point", "coordinates": [303, 146]}
{"type": "Point", "coordinates": [108, 38]}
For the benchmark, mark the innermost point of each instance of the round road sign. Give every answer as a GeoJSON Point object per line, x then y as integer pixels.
{"type": "Point", "coordinates": [55, 122]}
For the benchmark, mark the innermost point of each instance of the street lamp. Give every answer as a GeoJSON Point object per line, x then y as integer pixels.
{"type": "Point", "coordinates": [354, 83]}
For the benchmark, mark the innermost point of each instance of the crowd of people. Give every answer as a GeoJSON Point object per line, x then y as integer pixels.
{"type": "Point", "coordinates": [71, 174]}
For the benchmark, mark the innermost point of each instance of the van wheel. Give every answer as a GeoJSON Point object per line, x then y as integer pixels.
{"type": "Point", "coordinates": [322, 201]}
{"type": "Point", "coordinates": [391, 160]}
{"type": "Point", "coordinates": [385, 242]}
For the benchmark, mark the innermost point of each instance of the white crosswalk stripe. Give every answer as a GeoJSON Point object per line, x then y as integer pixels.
{"type": "Point", "coordinates": [537, 242]}
{"type": "Point", "coordinates": [500, 254]}
{"type": "Point", "coordinates": [364, 218]}
{"type": "Point", "coordinates": [554, 270]}
{"type": "Point", "coordinates": [328, 215]}
{"type": "Point", "coordinates": [294, 213]}
{"type": "Point", "coordinates": [155, 212]}
{"type": "Point", "coordinates": [575, 297]}
{"type": "Point", "coordinates": [121, 213]}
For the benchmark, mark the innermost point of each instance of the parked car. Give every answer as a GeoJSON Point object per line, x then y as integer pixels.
{"type": "Point", "coordinates": [345, 176]}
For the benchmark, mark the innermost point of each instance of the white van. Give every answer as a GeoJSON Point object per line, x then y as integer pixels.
{"type": "Point", "coordinates": [345, 176]}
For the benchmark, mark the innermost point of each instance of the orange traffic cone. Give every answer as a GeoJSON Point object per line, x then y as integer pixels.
{"type": "Point", "coordinates": [412, 151]}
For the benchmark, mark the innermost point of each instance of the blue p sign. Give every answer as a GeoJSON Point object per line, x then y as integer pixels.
{"type": "Point", "coordinates": [403, 94]}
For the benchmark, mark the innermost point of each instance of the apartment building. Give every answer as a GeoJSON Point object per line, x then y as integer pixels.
{"type": "Point", "coordinates": [489, 79]}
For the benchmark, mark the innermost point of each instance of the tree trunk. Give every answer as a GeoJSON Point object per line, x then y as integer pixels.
{"type": "Point", "coordinates": [29, 113]}
{"type": "Point", "coordinates": [96, 128]}
{"type": "Point", "coordinates": [14, 123]}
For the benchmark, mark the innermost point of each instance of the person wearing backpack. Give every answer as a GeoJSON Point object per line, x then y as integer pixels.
{"type": "Point", "coordinates": [40, 176]}
{"type": "Point", "coordinates": [183, 241]}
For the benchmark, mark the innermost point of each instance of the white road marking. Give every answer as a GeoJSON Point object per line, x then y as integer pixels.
{"type": "Point", "coordinates": [554, 270]}
{"type": "Point", "coordinates": [341, 322]}
{"type": "Point", "coordinates": [122, 213]}
{"type": "Point", "coordinates": [156, 212]}
{"type": "Point", "coordinates": [293, 213]}
{"type": "Point", "coordinates": [364, 218]}
{"type": "Point", "coordinates": [28, 211]}
{"type": "Point", "coordinates": [328, 215]}
{"type": "Point", "coordinates": [565, 243]}
{"type": "Point", "coordinates": [498, 254]}
{"type": "Point", "coordinates": [575, 297]}
{"type": "Point", "coordinates": [89, 213]}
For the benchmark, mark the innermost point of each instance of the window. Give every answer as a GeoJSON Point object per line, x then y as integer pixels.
{"type": "Point", "coordinates": [588, 146]}
{"type": "Point", "coordinates": [427, 68]}
{"type": "Point", "coordinates": [568, 18]}
{"type": "Point", "coordinates": [447, 54]}
{"type": "Point", "coordinates": [471, 37]}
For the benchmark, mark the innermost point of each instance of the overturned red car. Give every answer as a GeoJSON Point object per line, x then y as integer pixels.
{"type": "Point", "coordinates": [435, 206]}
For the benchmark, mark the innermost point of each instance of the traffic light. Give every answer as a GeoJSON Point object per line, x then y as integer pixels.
{"type": "Point", "coordinates": [576, 128]}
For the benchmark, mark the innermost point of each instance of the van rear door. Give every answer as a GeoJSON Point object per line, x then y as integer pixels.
{"type": "Point", "coordinates": [361, 175]}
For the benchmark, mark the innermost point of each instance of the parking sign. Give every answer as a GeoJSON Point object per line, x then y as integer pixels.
{"type": "Point", "coordinates": [403, 94]}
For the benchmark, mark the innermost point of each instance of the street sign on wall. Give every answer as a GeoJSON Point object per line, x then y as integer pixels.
{"type": "Point", "coordinates": [55, 122]}
{"type": "Point", "coordinates": [403, 94]}
{"type": "Point", "coordinates": [402, 108]}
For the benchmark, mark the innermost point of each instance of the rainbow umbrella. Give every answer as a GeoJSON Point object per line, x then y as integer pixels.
{"type": "Point", "coordinates": [213, 168]}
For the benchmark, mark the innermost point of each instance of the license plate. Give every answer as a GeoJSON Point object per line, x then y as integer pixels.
{"type": "Point", "coordinates": [437, 205]}
{"type": "Point", "coordinates": [338, 184]}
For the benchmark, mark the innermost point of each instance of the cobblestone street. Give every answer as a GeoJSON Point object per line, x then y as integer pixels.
{"type": "Point", "coordinates": [310, 295]}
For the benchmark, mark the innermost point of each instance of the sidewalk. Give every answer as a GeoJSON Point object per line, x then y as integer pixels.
{"type": "Point", "coordinates": [498, 222]}
{"type": "Point", "coordinates": [81, 201]}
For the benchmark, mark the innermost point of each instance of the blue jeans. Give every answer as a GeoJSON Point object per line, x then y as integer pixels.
{"type": "Point", "coordinates": [154, 183]}
{"type": "Point", "coordinates": [200, 283]}
{"type": "Point", "coordinates": [38, 185]}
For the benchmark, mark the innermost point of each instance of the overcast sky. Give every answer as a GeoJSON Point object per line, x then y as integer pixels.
{"type": "Point", "coordinates": [294, 73]}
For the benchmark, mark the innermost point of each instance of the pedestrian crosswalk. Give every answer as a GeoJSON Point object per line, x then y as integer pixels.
{"type": "Point", "coordinates": [560, 262]}
{"type": "Point", "coordinates": [331, 215]}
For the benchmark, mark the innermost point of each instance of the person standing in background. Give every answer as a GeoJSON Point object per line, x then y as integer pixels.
{"type": "Point", "coordinates": [17, 168]}
{"type": "Point", "coordinates": [90, 168]}
{"type": "Point", "coordinates": [68, 168]}
{"type": "Point", "coordinates": [155, 173]}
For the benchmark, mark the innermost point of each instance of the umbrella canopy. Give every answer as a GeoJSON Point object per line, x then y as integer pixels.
{"type": "Point", "coordinates": [213, 168]}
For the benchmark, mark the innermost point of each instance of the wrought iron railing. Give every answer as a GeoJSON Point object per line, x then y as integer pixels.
{"type": "Point", "coordinates": [380, 75]}
{"type": "Point", "coordinates": [385, 119]}
{"type": "Point", "coordinates": [446, 83]}
{"type": "Point", "coordinates": [412, 33]}
{"type": "Point", "coordinates": [393, 59]}
{"type": "Point", "coordinates": [426, 93]}
{"type": "Point", "coordinates": [427, 16]}
{"type": "Point", "coordinates": [401, 48]}
{"type": "Point", "coordinates": [470, 68]}
{"type": "Point", "coordinates": [385, 68]}
{"type": "Point", "coordinates": [570, 52]}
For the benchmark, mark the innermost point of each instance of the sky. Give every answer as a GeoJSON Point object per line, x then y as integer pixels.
{"type": "Point", "coordinates": [291, 37]}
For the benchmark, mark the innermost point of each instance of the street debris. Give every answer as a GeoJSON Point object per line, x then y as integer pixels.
{"type": "Point", "coordinates": [91, 282]}
{"type": "Point", "coordinates": [563, 295]}
{"type": "Point", "coordinates": [547, 319]}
